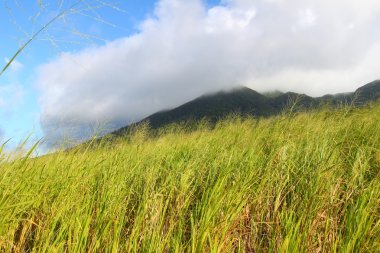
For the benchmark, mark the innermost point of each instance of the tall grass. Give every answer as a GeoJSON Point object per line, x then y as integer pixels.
{"type": "Point", "coordinates": [308, 182]}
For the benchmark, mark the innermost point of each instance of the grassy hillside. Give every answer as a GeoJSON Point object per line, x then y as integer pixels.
{"type": "Point", "coordinates": [308, 182]}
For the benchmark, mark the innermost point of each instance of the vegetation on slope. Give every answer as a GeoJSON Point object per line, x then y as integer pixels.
{"type": "Point", "coordinates": [308, 182]}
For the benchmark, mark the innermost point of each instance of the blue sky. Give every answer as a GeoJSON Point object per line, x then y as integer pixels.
{"type": "Point", "coordinates": [19, 114]}
{"type": "Point", "coordinates": [106, 21]}
{"type": "Point", "coordinates": [108, 63]}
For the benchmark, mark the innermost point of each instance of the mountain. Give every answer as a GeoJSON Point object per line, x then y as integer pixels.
{"type": "Point", "coordinates": [244, 101]}
{"type": "Point", "coordinates": [368, 92]}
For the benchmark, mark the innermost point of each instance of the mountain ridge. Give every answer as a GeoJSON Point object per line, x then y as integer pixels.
{"type": "Point", "coordinates": [245, 101]}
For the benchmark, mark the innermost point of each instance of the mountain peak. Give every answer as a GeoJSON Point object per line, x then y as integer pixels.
{"type": "Point", "coordinates": [371, 85]}
{"type": "Point", "coordinates": [368, 92]}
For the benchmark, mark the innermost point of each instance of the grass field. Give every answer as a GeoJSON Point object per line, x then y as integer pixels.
{"type": "Point", "coordinates": [308, 182]}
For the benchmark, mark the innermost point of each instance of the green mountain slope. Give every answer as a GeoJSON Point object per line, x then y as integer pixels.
{"type": "Point", "coordinates": [247, 102]}
{"type": "Point", "coordinates": [242, 101]}
{"type": "Point", "coordinates": [368, 92]}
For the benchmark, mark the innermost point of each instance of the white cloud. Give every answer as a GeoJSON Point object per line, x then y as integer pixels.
{"type": "Point", "coordinates": [222, 19]}
{"type": "Point", "coordinates": [185, 50]}
{"type": "Point", "coordinates": [307, 18]}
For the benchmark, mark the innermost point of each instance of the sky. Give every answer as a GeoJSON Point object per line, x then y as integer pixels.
{"type": "Point", "coordinates": [105, 64]}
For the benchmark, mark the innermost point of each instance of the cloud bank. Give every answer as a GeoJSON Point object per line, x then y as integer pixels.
{"type": "Point", "coordinates": [185, 49]}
